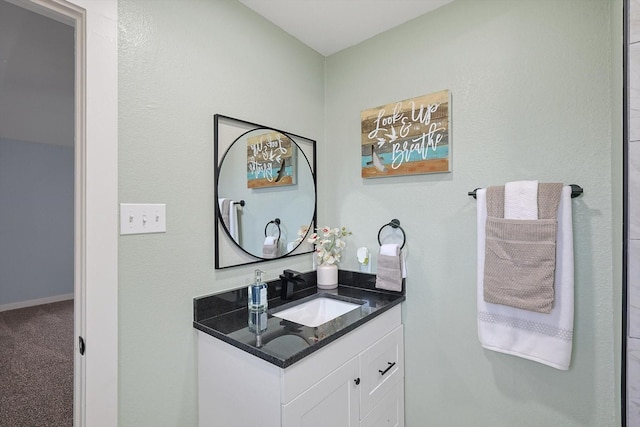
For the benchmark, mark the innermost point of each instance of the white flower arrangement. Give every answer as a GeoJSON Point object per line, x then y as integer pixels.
{"type": "Point", "coordinates": [329, 243]}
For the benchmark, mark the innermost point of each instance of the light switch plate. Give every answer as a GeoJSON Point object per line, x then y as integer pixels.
{"type": "Point", "coordinates": [137, 218]}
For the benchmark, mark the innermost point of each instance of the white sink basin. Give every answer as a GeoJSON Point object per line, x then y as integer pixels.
{"type": "Point", "coordinates": [316, 311]}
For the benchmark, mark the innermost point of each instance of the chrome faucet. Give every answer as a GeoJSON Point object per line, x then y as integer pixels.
{"type": "Point", "coordinates": [288, 279]}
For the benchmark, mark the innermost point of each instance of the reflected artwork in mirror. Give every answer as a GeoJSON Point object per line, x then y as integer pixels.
{"type": "Point", "coordinates": [265, 192]}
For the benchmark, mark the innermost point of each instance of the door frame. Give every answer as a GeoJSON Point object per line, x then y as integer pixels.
{"type": "Point", "coordinates": [625, 215]}
{"type": "Point", "coordinates": [95, 199]}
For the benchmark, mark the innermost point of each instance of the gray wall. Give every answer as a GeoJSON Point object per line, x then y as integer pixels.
{"type": "Point", "coordinates": [36, 179]}
{"type": "Point", "coordinates": [535, 86]}
{"type": "Point", "coordinates": [37, 69]}
{"type": "Point", "coordinates": [36, 221]}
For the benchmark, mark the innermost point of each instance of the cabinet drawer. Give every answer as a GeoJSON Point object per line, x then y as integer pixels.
{"type": "Point", "coordinates": [381, 367]}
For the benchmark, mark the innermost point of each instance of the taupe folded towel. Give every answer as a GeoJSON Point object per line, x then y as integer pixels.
{"type": "Point", "coordinates": [520, 255]}
{"type": "Point", "coordinates": [389, 270]}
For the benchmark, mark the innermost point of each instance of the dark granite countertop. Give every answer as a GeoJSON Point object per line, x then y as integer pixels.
{"type": "Point", "coordinates": [281, 342]}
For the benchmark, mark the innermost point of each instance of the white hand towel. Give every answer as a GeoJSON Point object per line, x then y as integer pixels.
{"type": "Point", "coordinates": [521, 200]}
{"type": "Point", "coordinates": [234, 226]}
{"type": "Point", "coordinates": [403, 261]}
{"type": "Point", "coordinates": [390, 249]}
{"type": "Point", "coordinates": [544, 338]}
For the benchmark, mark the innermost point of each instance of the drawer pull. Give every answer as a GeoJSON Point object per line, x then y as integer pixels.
{"type": "Point", "coordinates": [357, 381]}
{"type": "Point", "coordinates": [391, 365]}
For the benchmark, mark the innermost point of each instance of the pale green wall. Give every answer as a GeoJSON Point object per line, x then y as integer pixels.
{"type": "Point", "coordinates": [179, 64]}
{"type": "Point", "coordinates": [533, 88]}
{"type": "Point", "coordinates": [617, 196]}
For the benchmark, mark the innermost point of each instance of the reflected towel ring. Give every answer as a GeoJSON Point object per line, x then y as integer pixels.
{"type": "Point", "coordinates": [277, 224]}
{"type": "Point", "coordinates": [394, 223]}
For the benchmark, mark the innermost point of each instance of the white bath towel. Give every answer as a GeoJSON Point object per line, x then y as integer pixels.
{"type": "Point", "coordinates": [521, 200]}
{"type": "Point", "coordinates": [544, 338]}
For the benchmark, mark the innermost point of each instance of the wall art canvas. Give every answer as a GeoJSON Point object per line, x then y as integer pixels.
{"type": "Point", "coordinates": [407, 137]}
{"type": "Point", "coordinates": [271, 160]}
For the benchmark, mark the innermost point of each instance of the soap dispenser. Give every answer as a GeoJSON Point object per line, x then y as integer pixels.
{"type": "Point", "coordinates": [258, 293]}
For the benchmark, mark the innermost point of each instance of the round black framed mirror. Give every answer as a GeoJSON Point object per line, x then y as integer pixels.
{"type": "Point", "coordinates": [265, 192]}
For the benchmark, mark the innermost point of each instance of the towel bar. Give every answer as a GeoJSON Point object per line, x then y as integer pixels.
{"type": "Point", "coordinates": [576, 191]}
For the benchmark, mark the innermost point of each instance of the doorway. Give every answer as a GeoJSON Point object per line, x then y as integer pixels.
{"type": "Point", "coordinates": [37, 113]}
{"type": "Point", "coordinates": [95, 202]}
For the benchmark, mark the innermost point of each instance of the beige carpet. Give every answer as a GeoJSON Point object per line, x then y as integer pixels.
{"type": "Point", "coordinates": [36, 366]}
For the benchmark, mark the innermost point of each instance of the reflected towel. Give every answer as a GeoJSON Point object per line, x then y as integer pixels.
{"type": "Point", "coordinates": [543, 338]}
{"type": "Point", "coordinates": [270, 247]}
{"type": "Point", "coordinates": [224, 205]}
{"type": "Point", "coordinates": [234, 225]}
{"type": "Point", "coordinates": [389, 271]}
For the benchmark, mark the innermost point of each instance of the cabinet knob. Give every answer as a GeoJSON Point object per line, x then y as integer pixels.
{"type": "Point", "coordinates": [357, 381]}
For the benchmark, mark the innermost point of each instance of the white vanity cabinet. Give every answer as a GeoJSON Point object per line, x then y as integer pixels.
{"type": "Point", "coordinates": [373, 380]}
{"type": "Point", "coordinates": [357, 380]}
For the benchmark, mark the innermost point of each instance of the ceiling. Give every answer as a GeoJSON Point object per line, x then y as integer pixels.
{"type": "Point", "coordinates": [329, 26]}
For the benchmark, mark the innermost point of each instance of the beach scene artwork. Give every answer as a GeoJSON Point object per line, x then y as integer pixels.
{"type": "Point", "coordinates": [271, 160]}
{"type": "Point", "coordinates": [409, 137]}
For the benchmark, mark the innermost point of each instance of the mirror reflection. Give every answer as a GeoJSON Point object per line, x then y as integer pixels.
{"type": "Point", "coordinates": [265, 191]}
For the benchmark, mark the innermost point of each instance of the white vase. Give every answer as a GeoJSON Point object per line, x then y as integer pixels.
{"type": "Point", "coordinates": [327, 276]}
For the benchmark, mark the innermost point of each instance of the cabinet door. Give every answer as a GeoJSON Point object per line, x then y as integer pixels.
{"type": "Point", "coordinates": [382, 365]}
{"type": "Point", "coordinates": [390, 411]}
{"type": "Point", "coordinates": [334, 401]}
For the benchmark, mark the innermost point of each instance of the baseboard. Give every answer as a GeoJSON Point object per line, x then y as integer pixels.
{"type": "Point", "coordinates": [39, 301]}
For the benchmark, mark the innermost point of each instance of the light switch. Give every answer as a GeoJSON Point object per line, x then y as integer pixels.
{"type": "Point", "coordinates": [136, 218]}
